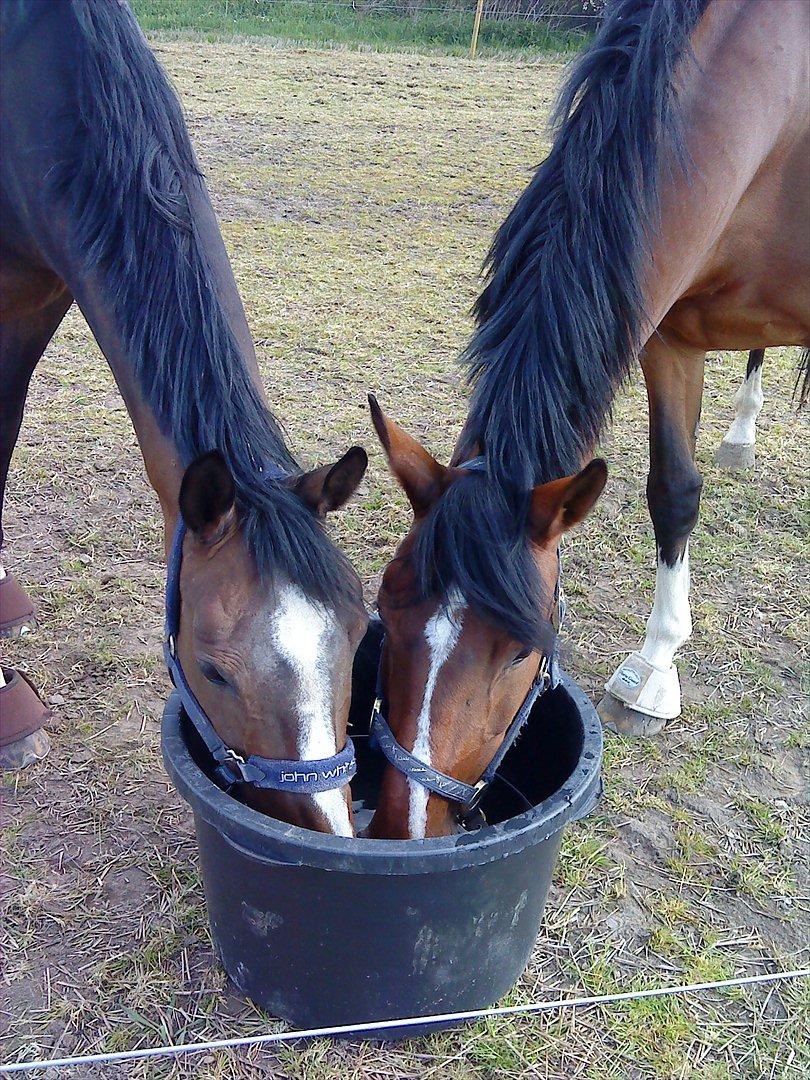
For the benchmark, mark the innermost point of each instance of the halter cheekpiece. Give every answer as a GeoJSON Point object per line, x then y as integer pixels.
{"type": "Point", "coordinates": [230, 767]}
{"type": "Point", "coordinates": [468, 796]}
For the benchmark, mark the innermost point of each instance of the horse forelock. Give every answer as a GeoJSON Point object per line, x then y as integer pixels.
{"type": "Point", "coordinates": [474, 543]}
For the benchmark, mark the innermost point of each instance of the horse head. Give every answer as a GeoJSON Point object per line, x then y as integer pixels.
{"type": "Point", "coordinates": [457, 664]}
{"type": "Point", "coordinates": [268, 658]}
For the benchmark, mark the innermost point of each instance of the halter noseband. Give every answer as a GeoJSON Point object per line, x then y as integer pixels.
{"type": "Point", "coordinates": [230, 767]}
{"type": "Point", "coordinates": [468, 796]}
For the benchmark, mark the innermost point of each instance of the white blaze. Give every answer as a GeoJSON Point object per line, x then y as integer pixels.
{"type": "Point", "coordinates": [441, 633]}
{"type": "Point", "coordinates": [300, 631]}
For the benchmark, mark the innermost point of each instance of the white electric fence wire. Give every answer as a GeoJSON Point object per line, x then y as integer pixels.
{"type": "Point", "coordinates": [382, 1025]}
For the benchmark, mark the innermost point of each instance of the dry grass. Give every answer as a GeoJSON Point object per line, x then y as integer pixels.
{"type": "Point", "coordinates": [357, 194]}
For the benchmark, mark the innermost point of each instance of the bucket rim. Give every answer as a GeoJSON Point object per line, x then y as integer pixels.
{"type": "Point", "coordinates": [268, 840]}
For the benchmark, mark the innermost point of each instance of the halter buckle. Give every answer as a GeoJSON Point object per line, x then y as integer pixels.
{"type": "Point", "coordinates": [247, 773]}
{"type": "Point", "coordinates": [544, 671]}
{"type": "Point", "coordinates": [171, 645]}
{"type": "Point", "coordinates": [471, 816]}
{"type": "Point", "coordinates": [480, 788]}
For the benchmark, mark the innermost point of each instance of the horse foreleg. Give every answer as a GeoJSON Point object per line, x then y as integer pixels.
{"type": "Point", "coordinates": [736, 451]}
{"type": "Point", "coordinates": [23, 340]}
{"type": "Point", "coordinates": [644, 691]}
{"type": "Point", "coordinates": [22, 343]}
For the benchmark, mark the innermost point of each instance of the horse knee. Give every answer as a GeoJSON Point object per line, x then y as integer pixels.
{"type": "Point", "coordinates": [674, 501]}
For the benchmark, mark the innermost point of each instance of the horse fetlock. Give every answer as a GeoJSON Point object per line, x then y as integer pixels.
{"type": "Point", "coordinates": [645, 688]}
{"type": "Point", "coordinates": [670, 621]}
{"type": "Point", "coordinates": [737, 448]}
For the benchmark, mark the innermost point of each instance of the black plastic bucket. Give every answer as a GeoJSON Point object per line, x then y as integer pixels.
{"type": "Point", "coordinates": [325, 930]}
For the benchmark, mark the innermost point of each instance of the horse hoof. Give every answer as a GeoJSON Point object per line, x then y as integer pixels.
{"type": "Point", "coordinates": [24, 752]}
{"type": "Point", "coordinates": [18, 629]}
{"type": "Point", "coordinates": [734, 455]}
{"type": "Point", "coordinates": [22, 715]}
{"type": "Point", "coordinates": [618, 717]}
{"type": "Point", "coordinates": [17, 615]}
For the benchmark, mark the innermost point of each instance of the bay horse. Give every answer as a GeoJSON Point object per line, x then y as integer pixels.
{"type": "Point", "coordinates": [103, 202]}
{"type": "Point", "coordinates": [672, 216]}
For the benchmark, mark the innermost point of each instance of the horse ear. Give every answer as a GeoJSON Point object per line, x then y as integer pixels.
{"type": "Point", "coordinates": [207, 496]}
{"type": "Point", "coordinates": [422, 478]}
{"type": "Point", "coordinates": [329, 487]}
{"type": "Point", "coordinates": [558, 506]}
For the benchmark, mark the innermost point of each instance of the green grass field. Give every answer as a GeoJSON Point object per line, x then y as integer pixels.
{"type": "Point", "coordinates": [357, 193]}
{"type": "Point", "coordinates": [342, 24]}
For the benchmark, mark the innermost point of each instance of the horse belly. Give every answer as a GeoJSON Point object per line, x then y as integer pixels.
{"type": "Point", "coordinates": [753, 290]}
{"type": "Point", "coordinates": [742, 314]}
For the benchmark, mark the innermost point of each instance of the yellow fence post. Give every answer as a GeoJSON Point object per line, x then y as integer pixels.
{"type": "Point", "coordinates": [479, 11]}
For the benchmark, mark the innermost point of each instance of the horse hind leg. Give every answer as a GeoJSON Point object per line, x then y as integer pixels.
{"type": "Point", "coordinates": [644, 691]}
{"type": "Point", "coordinates": [737, 451]}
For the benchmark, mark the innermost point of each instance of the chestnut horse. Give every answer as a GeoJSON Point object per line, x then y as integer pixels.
{"type": "Point", "coordinates": [671, 217]}
{"type": "Point", "coordinates": [103, 203]}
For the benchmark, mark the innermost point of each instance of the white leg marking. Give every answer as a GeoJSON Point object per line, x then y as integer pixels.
{"type": "Point", "coordinates": [670, 622]}
{"type": "Point", "coordinates": [441, 633]}
{"type": "Point", "coordinates": [300, 631]}
{"type": "Point", "coordinates": [747, 405]}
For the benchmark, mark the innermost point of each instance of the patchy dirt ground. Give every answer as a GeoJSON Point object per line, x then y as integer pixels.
{"type": "Point", "coordinates": [357, 194]}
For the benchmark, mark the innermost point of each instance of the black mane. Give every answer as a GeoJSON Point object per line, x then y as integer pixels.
{"type": "Point", "coordinates": [560, 318]}
{"type": "Point", "coordinates": [126, 182]}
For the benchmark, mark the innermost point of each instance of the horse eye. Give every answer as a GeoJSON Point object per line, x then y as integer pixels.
{"type": "Point", "coordinates": [212, 673]}
{"type": "Point", "coordinates": [521, 656]}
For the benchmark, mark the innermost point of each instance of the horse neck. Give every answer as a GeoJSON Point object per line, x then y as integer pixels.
{"type": "Point", "coordinates": [162, 459]}
{"type": "Point", "coordinates": [136, 256]}
{"type": "Point", "coordinates": [572, 295]}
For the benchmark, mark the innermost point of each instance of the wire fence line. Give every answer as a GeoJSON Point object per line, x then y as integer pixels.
{"type": "Point", "coordinates": [175, 1050]}
{"type": "Point", "coordinates": [531, 9]}
{"type": "Point", "coordinates": [538, 11]}
{"type": "Point", "coordinates": [563, 25]}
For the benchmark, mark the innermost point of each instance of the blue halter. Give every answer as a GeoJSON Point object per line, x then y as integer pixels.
{"type": "Point", "coordinates": [468, 795]}
{"type": "Point", "coordinates": [230, 768]}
